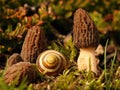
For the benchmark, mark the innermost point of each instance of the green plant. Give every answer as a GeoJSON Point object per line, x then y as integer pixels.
{"type": "Point", "coordinates": [56, 17]}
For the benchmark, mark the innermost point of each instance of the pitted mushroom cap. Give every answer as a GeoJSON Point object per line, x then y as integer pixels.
{"type": "Point", "coordinates": [13, 59]}
{"type": "Point", "coordinates": [35, 42]}
{"type": "Point", "coordinates": [19, 71]}
{"type": "Point", "coordinates": [85, 33]}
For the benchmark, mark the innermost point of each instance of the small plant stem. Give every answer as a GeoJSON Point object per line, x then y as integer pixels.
{"type": "Point", "coordinates": [105, 67]}
{"type": "Point", "coordinates": [101, 77]}
{"type": "Point", "coordinates": [111, 69]}
{"type": "Point", "coordinates": [89, 73]}
{"type": "Point", "coordinates": [108, 79]}
{"type": "Point", "coordinates": [56, 33]}
{"type": "Point", "coordinates": [117, 84]}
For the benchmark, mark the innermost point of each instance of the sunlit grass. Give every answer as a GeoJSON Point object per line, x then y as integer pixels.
{"type": "Point", "coordinates": [72, 79]}
{"type": "Point", "coordinates": [62, 10]}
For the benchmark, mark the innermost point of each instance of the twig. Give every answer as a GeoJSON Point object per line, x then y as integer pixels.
{"type": "Point", "coordinates": [56, 33]}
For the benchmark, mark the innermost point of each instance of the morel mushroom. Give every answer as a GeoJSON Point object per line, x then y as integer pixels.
{"type": "Point", "coordinates": [13, 59]}
{"type": "Point", "coordinates": [19, 71]}
{"type": "Point", "coordinates": [86, 38]}
{"type": "Point", "coordinates": [35, 42]}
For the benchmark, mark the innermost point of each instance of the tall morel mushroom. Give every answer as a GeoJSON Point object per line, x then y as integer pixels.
{"type": "Point", "coordinates": [85, 38]}
{"type": "Point", "coordinates": [35, 42]}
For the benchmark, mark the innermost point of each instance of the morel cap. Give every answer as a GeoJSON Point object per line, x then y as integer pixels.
{"type": "Point", "coordinates": [85, 33]}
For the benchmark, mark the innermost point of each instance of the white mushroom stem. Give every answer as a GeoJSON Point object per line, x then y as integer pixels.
{"type": "Point", "coordinates": [87, 60]}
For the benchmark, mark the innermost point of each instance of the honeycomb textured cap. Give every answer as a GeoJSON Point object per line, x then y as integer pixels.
{"type": "Point", "coordinates": [85, 33]}
{"type": "Point", "coordinates": [19, 71]}
{"type": "Point", "coordinates": [35, 42]}
{"type": "Point", "coordinates": [13, 59]}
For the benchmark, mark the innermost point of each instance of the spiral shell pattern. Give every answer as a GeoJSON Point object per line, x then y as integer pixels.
{"type": "Point", "coordinates": [51, 62]}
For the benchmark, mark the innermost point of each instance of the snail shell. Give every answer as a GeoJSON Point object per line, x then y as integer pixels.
{"type": "Point", "coordinates": [51, 62]}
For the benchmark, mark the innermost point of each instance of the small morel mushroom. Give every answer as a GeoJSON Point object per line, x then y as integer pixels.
{"type": "Point", "coordinates": [13, 59]}
{"type": "Point", "coordinates": [19, 71]}
{"type": "Point", "coordinates": [35, 42]}
{"type": "Point", "coordinates": [85, 38]}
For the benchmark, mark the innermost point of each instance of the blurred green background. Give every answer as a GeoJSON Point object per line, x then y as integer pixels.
{"type": "Point", "coordinates": [17, 16]}
{"type": "Point", "coordinates": [56, 17]}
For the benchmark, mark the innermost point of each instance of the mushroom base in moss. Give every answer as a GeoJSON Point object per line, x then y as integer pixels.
{"type": "Point", "coordinates": [87, 60]}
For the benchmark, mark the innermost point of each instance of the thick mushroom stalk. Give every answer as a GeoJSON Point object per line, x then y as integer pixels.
{"type": "Point", "coordinates": [86, 38]}
{"type": "Point", "coordinates": [87, 60]}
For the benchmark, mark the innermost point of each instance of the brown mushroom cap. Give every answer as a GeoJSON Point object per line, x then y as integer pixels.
{"type": "Point", "coordinates": [19, 71]}
{"type": "Point", "coordinates": [14, 58]}
{"type": "Point", "coordinates": [85, 33]}
{"type": "Point", "coordinates": [35, 42]}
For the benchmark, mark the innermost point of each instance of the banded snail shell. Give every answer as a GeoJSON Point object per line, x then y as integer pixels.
{"type": "Point", "coordinates": [51, 62]}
